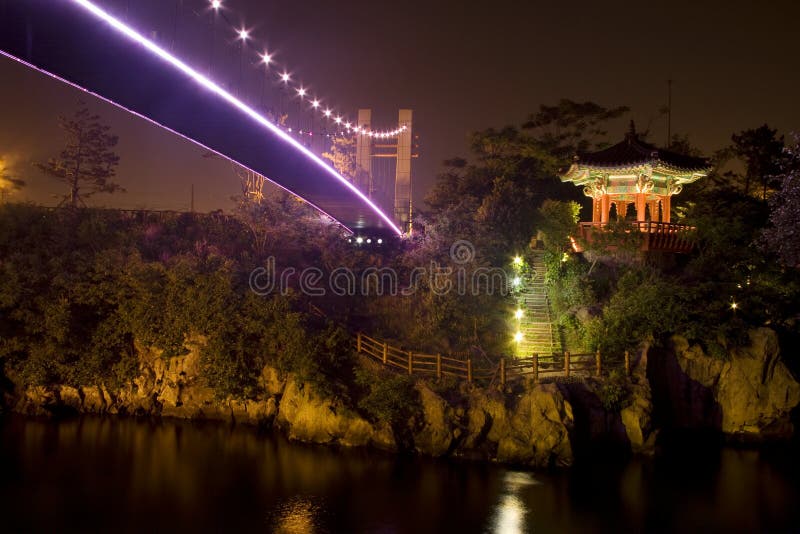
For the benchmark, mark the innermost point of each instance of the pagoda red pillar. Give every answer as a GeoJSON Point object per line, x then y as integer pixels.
{"type": "Point", "coordinates": [641, 202]}
{"type": "Point", "coordinates": [654, 210]}
{"type": "Point", "coordinates": [596, 209]}
{"type": "Point", "coordinates": [605, 207]}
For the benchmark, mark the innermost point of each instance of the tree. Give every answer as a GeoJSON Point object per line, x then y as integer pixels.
{"type": "Point", "coordinates": [87, 164]}
{"type": "Point", "coordinates": [513, 170]}
{"type": "Point", "coordinates": [7, 183]}
{"type": "Point", "coordinates": [782, 236]}
{"type": "Point", "coordinates": [561, 131]}
{"type": "Point", "coordinates": [343, 158]}
{"type": "Point", "coordinates": [557, 221]}
{"type": "Point", "coordinates": [762, 154]}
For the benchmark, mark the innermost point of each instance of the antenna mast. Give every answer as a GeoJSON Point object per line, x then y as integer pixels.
{"type": "Point", "coordinates": [669, 113]}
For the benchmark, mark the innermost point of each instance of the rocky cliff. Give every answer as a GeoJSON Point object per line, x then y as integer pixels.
{"type": "Point", "coordinates": [748, 396]}
{"type": "Point", "coordinates": [529, 428]}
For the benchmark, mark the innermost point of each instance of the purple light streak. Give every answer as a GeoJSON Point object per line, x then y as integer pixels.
{"type": "Point", "coordinates": [225, 95]}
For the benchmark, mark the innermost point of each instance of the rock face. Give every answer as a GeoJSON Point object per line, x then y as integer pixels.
{"type": "Point", "coordinates": [533, 431]}
{"type": "Point", "coordinates": [169, 387]}
{"type": "Point", "coordinates": [628, 427]}
{"type": "Point", "coordinates": [305, 416]}
{"type": "Point", "coordinates": [749, 396]}
{"type": "Point", "coordinates": [437, 427]}
{"type": "Point", "coordinates": [637, 414]}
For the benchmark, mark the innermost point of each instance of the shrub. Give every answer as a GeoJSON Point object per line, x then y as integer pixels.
{"type": "Point", "coordinates": [390, 397]}
{"type": "Point", "coordinates": [614, 391]}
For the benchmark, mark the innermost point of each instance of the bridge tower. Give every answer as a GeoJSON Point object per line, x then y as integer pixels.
{"type": "Point", "coordinates": [364, 154]}
{"type": "Point", "coordinates": [399, 149]}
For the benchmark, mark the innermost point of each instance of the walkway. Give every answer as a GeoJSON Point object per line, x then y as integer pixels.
{"type": "Point", "coordinates": [539, 334]}
{"type": "Point", "coordinates": [489, 371]}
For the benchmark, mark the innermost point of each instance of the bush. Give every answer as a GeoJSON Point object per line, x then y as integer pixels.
{"type": "Point", "coordinates": [326, 360]}
{"type": "Point", "coordinates": [390, 397]}
{"type": "Point", "coordinates": [645, 306]}
{"type": "Point", "coordinates": [614, 391]}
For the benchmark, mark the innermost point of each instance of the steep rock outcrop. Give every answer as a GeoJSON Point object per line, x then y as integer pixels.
{"type": "Point", "coordinates": [436, 426]}
{"type": "Point", "coordinates": [749, 396]}
{"type": "Point", "coordinates": [637, 412]}
{"type": "Point", "coordinates": [533, 431]}
{"type": "Point", "coordinates": [613, 413]}
{"type": "Point", "coordinates": [303, 415]}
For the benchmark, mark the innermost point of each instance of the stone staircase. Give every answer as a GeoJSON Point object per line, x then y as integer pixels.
{"type": "Point", "coordinates": [540, 335]}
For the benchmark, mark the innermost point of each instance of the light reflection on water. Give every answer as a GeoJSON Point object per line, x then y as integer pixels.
{"type": "Point", "coordinates": [106, 474]}
{"type": "Point", "coordinates": [510, 515]}
{"type": "Point", "coordinates": [298, 514]}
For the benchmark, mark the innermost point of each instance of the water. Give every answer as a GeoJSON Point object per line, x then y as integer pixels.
{"type": "Point", "coordinates": [104, 474]}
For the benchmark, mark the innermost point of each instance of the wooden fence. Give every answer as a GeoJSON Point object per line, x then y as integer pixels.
{"type": "Point", "coordinates": [487, 370]}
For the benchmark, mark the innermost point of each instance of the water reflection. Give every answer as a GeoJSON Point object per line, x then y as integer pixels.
{"type": "Point", "coordinates": [510, 514]}
{"type": "Point", "coordinates": [105, 474]}
{"type": "Point", "coordinates": [299, 514]}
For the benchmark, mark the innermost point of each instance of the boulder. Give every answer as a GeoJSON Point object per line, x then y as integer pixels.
{"type": "Point", "coordinates": [533, 432]}
{"type": "Point", "coordinates": [271, 381]}
{"type": "Point", "coordinates": [748, 396]}
{"type": "Point", "coordinates": [306, 416]}
{"type": "Point", "coordinates": [637, 414]}
{"type": "Point", "coordinates": [37, 401]}
{"type": "Point", "coordinates": [94, 400]}
{"type": "Point", "coordinates": [71, 397]}
{"type": "Point", "coordinates": [434, 433]}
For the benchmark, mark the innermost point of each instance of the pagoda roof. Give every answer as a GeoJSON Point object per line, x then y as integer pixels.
{"type": "Point", "coordinates": [633, 152]}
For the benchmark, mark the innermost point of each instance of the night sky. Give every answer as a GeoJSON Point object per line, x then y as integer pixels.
{"type": "Point", "coordinates": [460, 66]}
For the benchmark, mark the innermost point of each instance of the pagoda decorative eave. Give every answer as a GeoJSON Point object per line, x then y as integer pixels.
{"type": "Point", "coordinates": [636, 173]}
{"type": "Point", "coordinates": [581, 174]}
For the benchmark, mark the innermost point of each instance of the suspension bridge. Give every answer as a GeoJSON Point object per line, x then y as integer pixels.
{"type": "Point", "coordinates": [89, 45]}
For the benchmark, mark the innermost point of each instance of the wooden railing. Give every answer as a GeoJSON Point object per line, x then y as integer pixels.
{"type": "Point", "coordinates": [656, 236]}
{"type": "Point", "coordinates": [500, 370]}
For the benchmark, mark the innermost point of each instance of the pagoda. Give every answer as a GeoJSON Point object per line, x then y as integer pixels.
{"type": "Point", "coordinates": [635, 174]}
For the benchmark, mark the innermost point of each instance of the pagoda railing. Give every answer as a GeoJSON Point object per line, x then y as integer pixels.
{"type": "Point", "coordinates": [656, 236]}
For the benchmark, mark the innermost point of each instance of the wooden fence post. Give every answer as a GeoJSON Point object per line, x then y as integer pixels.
{"type": "Point", "coordinates": [566, 364]}
{"type": "Point", "coordinates": [535, 368]}
{"type": "Point", "coordinates": [502, 372]}
{"type": "Point", "coordinates": [439, 366]}
{"type": "Point", "coordinates": [599, 363]}
{"type": "Point", "coordinates": [469, 370]}
{"type": "Point", "coordinates": [627, 363]}
{"type": "Point", "coordinates": [385, 352]}
{"type": "Point", "coordinates": [410, 363]}
{"type": "Point", "coordinates": [358, 343]}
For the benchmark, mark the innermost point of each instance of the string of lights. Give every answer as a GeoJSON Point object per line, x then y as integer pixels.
{"type": "Point", "coordinates": [226, 96]}
{"type": "Point", "coordinates": [266, 59]}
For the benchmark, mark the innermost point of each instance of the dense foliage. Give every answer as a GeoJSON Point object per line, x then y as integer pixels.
{"type": "Point", "coordinates": [742, 273]}
{"type": "Point", "coordinates": [82, 291]}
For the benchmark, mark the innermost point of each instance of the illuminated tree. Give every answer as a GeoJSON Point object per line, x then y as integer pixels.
{"type": "Point", "coordinates": [783, 236]}
{"type": "Point", "coordinates": [88, 163]}
{"type": "Point", "coordinates": [343, 158]}
{"type": "Point", "coordinates": [7, 183]}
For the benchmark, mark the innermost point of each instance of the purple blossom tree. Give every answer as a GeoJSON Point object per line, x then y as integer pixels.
{"type": "Point", "coordinates": [782, 237]}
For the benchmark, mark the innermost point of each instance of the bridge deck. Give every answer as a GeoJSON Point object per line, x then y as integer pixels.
{"type": "Point", "coordinates": [63, 39]}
